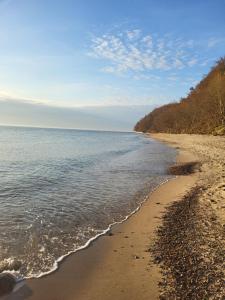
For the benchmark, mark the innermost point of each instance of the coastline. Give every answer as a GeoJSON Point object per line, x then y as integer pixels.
{"type": "Point", "coordinates": [123, 263]}
{"type": "Point", "coordinates": [95, 273]}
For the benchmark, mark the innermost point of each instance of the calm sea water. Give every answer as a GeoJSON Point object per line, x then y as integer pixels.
{"type": "Point", "coordinates": [60, 188]}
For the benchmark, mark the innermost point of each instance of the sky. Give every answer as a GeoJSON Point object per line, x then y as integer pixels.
{"type": "Point", "coordinates": [90, 55]}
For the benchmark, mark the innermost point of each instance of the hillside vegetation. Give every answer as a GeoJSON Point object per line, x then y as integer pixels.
{"type": "Point", "coordinates": [201, 112]}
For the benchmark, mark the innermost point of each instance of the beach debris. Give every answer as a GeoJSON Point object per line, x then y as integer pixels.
{"type": "Point", "coordinates": [110, 233]}
{"type": "Point", "coordinates": [184, 168]}
{"type": "Point", "coordinates": [158, 259]}
{"type": "Point", "coordinates": [136, 257]}
{"type": "Point", "coordinates": [190, 250]}
{"type": "Point", "coordinates": [7, 283]}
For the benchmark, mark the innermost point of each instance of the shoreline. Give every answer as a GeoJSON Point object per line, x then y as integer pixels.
{"type": "Point", "coordinates": [94, 238]}
{"type": "Point", "coordinates": [95, 272]}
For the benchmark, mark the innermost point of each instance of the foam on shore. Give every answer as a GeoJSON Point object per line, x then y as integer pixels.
{"type": "Point", "coordinates": [60, 259]}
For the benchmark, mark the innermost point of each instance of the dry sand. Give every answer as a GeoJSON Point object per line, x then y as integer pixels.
{"type": "Point", "coordinates": [120, 266]}
{"type": "Point", "coordinates": [210, 151]}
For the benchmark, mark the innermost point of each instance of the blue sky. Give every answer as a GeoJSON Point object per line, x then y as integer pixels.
{"type": "Point", "coordinates": [94, 52]}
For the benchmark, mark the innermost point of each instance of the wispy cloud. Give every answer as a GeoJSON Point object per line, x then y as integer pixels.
{"type": "Point", "coordinates": [133, 34]}
{"type": "Point", "coordinates": [214, 41]}
{"type": "Point", "coordinates": [9, 97]}
{"type": "Point", "coordinates": [192, 62]}
{"type": "Point", "coordinates": [132, 51]}
{"type": "Point", "coordinates": [173, 78]}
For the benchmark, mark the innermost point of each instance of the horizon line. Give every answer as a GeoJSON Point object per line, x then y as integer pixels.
{"type": "Point", "coordinates": [64, 128]}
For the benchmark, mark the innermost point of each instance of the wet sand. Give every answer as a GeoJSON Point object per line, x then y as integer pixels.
{"type": "Point", "coordinates": [120, 265]}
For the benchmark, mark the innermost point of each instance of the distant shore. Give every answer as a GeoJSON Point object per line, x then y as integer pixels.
{"type": "Point", "coordinates": [123, 263]}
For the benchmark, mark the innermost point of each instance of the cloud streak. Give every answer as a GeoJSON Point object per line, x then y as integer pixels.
{"type": "Point", "coordinates": [214, 41]}
{"type": "Point", "coordinates": [131, 51]}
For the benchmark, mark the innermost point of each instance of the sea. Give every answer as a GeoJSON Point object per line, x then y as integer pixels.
{"type": "Point", "coordinates": [62, 188]}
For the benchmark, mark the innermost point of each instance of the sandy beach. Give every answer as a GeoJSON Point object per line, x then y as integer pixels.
{"type": "Point", "coordinates": [121, 264]}
{"type": "Point", "coordinates": [112, 150]}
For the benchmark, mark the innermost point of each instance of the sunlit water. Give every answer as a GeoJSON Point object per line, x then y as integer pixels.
{"type": "Point", "coordinates": [59, 188]}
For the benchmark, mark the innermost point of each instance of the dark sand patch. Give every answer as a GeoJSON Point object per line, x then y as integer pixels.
{"type": "Point", "coordinates": [184, 168]}
{"type": "Point", "coordinates": [190, 250]}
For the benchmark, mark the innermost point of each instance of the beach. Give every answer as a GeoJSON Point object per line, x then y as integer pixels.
{"type": "Point", "coordinates": [112, 150]}
{"type": "Point", "coordinates": [121, 264]}
{"type": "Point", "coordinates": [190, 246]}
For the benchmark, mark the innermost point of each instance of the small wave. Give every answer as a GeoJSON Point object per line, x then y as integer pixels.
{"type": "Point", "coordinates": [11, 265]}
{"type": "Point", "coordinates": [103, 232]}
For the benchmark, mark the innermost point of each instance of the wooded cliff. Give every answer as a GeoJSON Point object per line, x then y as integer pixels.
{"type": "Point", "coordinates": [201, 112]}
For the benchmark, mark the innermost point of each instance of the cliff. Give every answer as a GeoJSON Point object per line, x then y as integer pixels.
{"type": "Point", "coordinates": [201, 112]}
